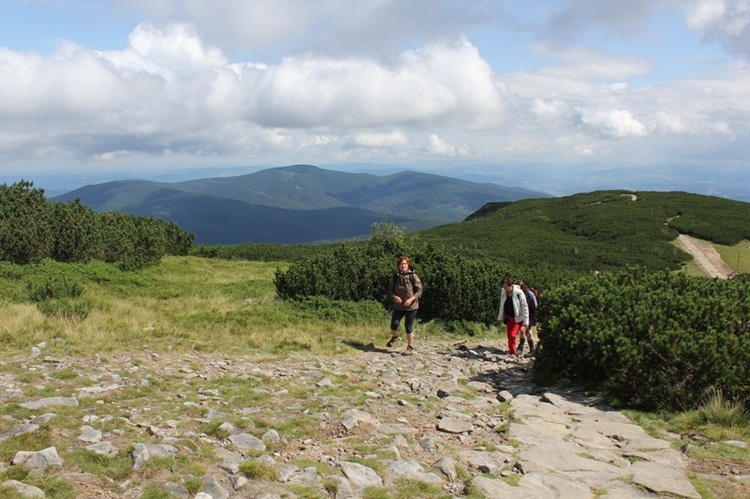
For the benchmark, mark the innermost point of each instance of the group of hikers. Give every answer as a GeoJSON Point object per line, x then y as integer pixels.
{"type": "Point", "coordinates": [518, 306]}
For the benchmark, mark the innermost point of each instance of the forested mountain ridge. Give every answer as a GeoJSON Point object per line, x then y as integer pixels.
{"type": "Point", "coordinates": [297, 204]}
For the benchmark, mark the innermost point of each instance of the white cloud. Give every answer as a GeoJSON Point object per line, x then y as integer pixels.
{"type": "Point", "coordinates": [327, 27]}
{"type": "Point", "coordinates": [395, 138]}
{"type": "Point", "coordinates": [727, 21]}
{"type": "Point", "coordinates": [440, 147]}
{"type": "Point", "coordinates": [281, 81]}
{"type": "Point", "coordinates": [616, 123]}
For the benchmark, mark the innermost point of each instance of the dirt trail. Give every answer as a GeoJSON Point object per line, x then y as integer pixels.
{"type": "Point", "coordinates": [706, 257]}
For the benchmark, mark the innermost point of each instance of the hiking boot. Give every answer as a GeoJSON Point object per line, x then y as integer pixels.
{"type": "Point", "coordinates": [409, 350]}
{"type": "Point", "coordinates": [521, 345]}
{"type": "Point", "coordinates": [392, 341]}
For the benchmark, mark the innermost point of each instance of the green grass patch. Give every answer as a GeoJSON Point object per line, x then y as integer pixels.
{"type": "Point", "coordinates": [737, 256]}
{"type": "Point", "coordinates": [258, 470]}
{"type": "Point", "coordinates": [115, 467]}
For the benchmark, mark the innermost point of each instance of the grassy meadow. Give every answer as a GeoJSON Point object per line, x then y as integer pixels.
{"type": "Point", "coordinates": [184, 303]}
{"type": "Point", "coordinates": [737, 256]}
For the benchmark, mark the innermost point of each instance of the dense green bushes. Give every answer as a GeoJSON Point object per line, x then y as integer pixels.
{"type": "Point", "coordinates": [456, 288]}
{"type": "Point", "coordinates": [33, 228]}
{"type": "Point", "coordinates": [648, 340]}
{"type": "Point", "coordinates": [257, 252]}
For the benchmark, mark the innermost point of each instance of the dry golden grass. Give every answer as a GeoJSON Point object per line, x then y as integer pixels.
{"type": "Point", "coordinates": [188, 303]}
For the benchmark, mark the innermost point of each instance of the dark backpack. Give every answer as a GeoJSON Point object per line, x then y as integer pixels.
{"type": "Point", "coordinates": [537, 295]}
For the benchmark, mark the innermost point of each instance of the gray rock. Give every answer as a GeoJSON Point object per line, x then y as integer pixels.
{"type": "Point", "coordinates": [90, 435]}
{"type": "Point", "coordinates": [24, 490]}
{"type": "Point", "coordinates": [103, 449]}
{"type": "Point", "coordinates": [50, 402]}
{"type": "Point", "coordinates": [238, 482]}
{"type": "Point", "coordinates": [494, 487]}
{"type": "Point", "coordinates": [214, 415]}
{"type": "Point", "coordinates": [447, 466]}
{"type": "Point", "coordinates": [361, 476]}
{"type": "Point", "coordinates": [349, 422]}
{"type": "Point", "coordinates": [554, 485]}
{"type": "Point", "coordinates": [229, 428]}
{"type": "Point", "coordinates": [452, 425]}
{"type": "Point", "coordinates": [175, 489]}
{"type": "Point", "coordinates": [504, 396]}
{"type": "Point", "coordinates": [663, 480]}
{"type": "Point", "coordinates": [412, 470]}
{"type": "Point", "coordinates": [429, 444]}
{"type": "Point", "coordinates": [140, 457]}
{"type": "Point", "coordinates": [271, 437]}
{"type": "Point", "coordinates": [343, 489]}
{"type": "Point", "coordinates": [306, 477]}
{"type": "Point", "coordinates": [38, 462]}
{"type": "Point", "coordinates": [231, 466]}
{"type": "Point", "coordinates": [736, 443]}
{"type": "Point", "coordinates": [361, 416]}
{"type": "Point", "coordinates": [246, 441]}
{"type": "Point", "coordinates": [213, 489]}
{"type": "Point", "coordinates": [161, 450]}
{"type": "Point", "coordinates": [19, 430]}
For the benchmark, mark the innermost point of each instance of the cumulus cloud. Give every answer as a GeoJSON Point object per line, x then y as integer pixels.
{"type": "Point", "coordinates": [395, 138]}
{"type": "Point", "coordinates": [327, 27]}
{"type": "Point", "coordinates": [727, 21]}
{"type": "Point", "coordinates": [615, 123]}
{"type": "Point", "coordinates": [377, 79]}
{"type": "Point", "coordinates": [440, 147]}
{"type": "Point", "coordinates": [166, 85]}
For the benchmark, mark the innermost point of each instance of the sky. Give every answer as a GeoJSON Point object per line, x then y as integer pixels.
{"type": "Point", "coordinates": [92, 86]}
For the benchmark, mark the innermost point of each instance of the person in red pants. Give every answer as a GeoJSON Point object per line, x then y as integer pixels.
{"type": "Point", "coordinates": [514, 313]}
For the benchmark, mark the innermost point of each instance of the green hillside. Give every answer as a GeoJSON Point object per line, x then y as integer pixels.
{"type": "Point", "coordinates": [596, 230]}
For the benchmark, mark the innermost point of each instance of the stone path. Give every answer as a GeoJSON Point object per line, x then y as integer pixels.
{"type": "Point", "coordinates": [455, 418]}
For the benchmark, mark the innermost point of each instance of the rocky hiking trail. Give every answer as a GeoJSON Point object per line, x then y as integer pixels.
{"type": "Point", "coordinates": [454, 419]}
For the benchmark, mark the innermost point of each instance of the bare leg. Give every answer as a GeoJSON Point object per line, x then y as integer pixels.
{"type": "Point", "coordinates": [409, 343]}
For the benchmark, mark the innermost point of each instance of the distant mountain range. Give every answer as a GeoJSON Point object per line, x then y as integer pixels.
{"type": "Point", "coordinates": [298, 204]}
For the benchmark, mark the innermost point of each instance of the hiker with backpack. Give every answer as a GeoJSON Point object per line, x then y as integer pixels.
{"type": "Point", "coordinates": [532, 299]}
{"type": "Point", "coordinates": [405, 289]}
{"type": "Point", "coordinates": [514, 313]}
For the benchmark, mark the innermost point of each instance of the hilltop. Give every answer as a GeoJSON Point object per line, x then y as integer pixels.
{"type": "Point", "coordinates": [596, 230]}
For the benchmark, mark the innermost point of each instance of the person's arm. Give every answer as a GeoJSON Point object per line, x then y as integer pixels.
{"type": "Point", "coordinates": [417, 288]}
{"type": "Point", "coordinates": [392, 290]}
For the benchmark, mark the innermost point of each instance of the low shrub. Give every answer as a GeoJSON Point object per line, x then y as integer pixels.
{"type": "Point", "coordinates": [648, 340]}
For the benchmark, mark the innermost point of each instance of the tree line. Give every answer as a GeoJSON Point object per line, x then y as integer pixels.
{"type": "Point", "coordinates": [33, 228]}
